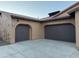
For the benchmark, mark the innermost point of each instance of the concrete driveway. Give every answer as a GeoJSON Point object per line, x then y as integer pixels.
{"type": "Point", "coordinates": [39, 49]}
{"type": "Point", "coordinates": [2, 43]}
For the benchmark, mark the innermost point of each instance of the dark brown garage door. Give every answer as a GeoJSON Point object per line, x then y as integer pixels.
{"type": "Point", "coordinates": [22, 33]}
{"type": "Point", "coordinates": [63, 32]}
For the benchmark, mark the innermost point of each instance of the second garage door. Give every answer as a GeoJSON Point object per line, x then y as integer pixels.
{"type": "Point", "coordinates": [63, 32]}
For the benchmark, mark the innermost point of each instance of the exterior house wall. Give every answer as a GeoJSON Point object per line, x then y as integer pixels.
{"type": "Point", "coordinates": [8, 26]}
{"type": "Point", "coordinates": [35, 30]}
{"type": "Point", "coordinates": [77, 28]}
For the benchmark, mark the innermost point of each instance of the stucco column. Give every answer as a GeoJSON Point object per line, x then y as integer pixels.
{"type": "Point", "coordinates": [77, 28]}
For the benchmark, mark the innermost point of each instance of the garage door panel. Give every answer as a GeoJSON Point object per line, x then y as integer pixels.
{"type": "Point", "coordinates": [22, 33]}
{"type": "Point", "coordinates": [63, 32]}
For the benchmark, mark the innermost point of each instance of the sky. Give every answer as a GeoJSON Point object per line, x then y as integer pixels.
{"type": "Point", "coordinates": [37, 9]}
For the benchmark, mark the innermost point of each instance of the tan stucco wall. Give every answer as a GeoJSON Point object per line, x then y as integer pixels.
{"type": "Point", "coordinates": [77, 28]}
{"type": "Point", "coordinates": [35, 30]}
{"type": "Point", "coordinates": [72, 21]}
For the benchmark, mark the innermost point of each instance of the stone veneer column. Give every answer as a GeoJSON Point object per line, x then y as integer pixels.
{"type": "Point", "coordinates": [6, 23]}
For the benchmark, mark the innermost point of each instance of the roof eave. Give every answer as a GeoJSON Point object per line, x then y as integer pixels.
{"type": "Point", "coordinates": [21, 16]}
{"type": "Point", "coordinates": [60, 18]}
{"type": "Point", "coordinates": [73, 11]}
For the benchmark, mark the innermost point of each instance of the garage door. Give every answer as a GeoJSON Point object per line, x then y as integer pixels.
{"type": "Point", "coordinates": [22, 33]}
{"type": "Point", "coordinates": [63, 32]}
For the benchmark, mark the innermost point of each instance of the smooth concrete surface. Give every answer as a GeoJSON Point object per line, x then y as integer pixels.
{"type": "Point", "coordinates": [41, 48]}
